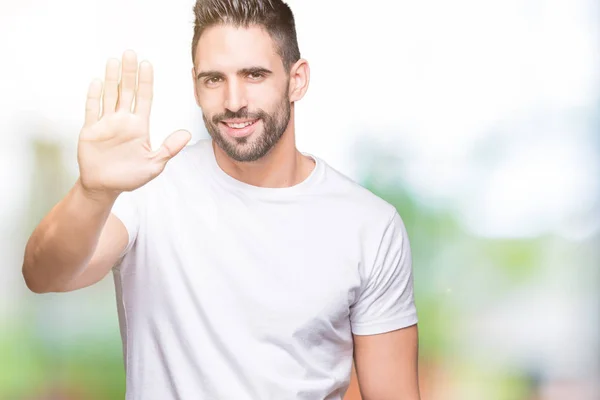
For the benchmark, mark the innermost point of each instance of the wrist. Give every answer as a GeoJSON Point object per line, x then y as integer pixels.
{"type": "Point", "coordinates": [101, 197]}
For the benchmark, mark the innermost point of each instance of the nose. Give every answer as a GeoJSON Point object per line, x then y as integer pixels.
{"type": "Point", "coordinates": [235, 98]}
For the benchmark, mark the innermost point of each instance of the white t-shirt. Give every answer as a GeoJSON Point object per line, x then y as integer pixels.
{"type": "Point", "coordinates": [232, 291]}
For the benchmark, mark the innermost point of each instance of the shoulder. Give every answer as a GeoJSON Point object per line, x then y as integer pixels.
{"type": "Point", "coordinates": [356, 200]}
{"type": "Point", "coordinates": [177, 174]}
{"type": "Point", "coordinates": [187, 162]}
{"type": "Point", "coordinates": [190, 157]}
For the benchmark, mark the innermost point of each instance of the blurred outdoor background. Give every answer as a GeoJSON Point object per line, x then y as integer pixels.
{"type": "Point", "coordinates": [478, 119]}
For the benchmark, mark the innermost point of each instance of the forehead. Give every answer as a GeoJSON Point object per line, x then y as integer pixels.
{"type": "Point", "coordinates": [226, 47]}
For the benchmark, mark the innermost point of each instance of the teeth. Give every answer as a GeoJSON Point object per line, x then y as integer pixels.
{"type": "Point", "coordinates": [240, 126]}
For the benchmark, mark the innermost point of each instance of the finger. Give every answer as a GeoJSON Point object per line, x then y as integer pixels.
{"type": "Point", "coordinates": [143, 100]}
{"type": "Point", "coordinates": [92, 104]}
{"type": "Point", "coordinates": [111, 83]}
{"type": "Point", "coordinates": [128, 77]}
{"type": "Point", "coordinates": [172, 146]}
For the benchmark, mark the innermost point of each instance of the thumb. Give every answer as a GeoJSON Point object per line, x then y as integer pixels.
{"type": "Point", "coordinates": [172, 145]}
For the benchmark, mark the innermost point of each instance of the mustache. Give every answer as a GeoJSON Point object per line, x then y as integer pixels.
{"type": "Point", "coordinates": [241, 113]}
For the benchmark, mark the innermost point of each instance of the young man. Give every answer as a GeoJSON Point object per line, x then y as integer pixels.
{"type": "Point", "coordinates": [244, 268]}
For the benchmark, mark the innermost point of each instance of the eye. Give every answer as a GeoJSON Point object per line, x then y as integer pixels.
{"type": "Point", "coordinates": [212, 81]}
{"type": "Point", "coordinates": [254, 76]}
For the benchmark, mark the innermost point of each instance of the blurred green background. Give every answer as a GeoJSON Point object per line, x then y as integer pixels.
{"type": "Point", "coordinates": [479, 121]}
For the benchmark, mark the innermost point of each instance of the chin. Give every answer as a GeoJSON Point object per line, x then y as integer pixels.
{"type": "Point", "coordinates": [238, 149]}
{"type": "Point", "coordinates": [241, 142]}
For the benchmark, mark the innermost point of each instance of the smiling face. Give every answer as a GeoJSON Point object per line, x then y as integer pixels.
{"type": "Point", "coordinates": [243, 89]}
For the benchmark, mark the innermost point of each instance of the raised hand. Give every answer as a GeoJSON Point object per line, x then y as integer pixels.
{"type": "Point", "coordinates": [114, 151]}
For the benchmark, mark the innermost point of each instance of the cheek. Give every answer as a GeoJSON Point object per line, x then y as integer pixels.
{"type": "Point", "coordinates": [265, 97]}
{"type": "Point", "coordinates": [210, 100]}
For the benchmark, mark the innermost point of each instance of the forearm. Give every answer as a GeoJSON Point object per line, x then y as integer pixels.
{"type": "Point", "coordinates": [63, 243]}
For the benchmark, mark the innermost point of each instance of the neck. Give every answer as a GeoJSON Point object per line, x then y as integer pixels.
{"type": "Point", "coordinates": [283, 166]}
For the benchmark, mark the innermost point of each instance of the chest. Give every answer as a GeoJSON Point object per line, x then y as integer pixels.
{"type": "Point", "coordinates": [274, 269]}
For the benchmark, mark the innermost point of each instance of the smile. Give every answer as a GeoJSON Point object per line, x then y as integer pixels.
{"type": "Point", "coordinates": [240, 125]}
{"type": "Point", "coordinates": [239, 128]}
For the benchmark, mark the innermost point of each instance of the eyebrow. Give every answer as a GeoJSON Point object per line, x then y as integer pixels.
{"type": "Point", "coordinates": [243, 71]}
{"type": "Point", "coordinates": [254, 70]}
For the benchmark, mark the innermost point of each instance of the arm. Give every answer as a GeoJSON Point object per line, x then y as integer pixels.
{"type": "Point", "coordinates": [78, 242]}
{"type": "Point", "coordinates": [75, 245]}
{"type": "Point", "coordinates": [384, 320]}
{"type": "Point", "coordinates": [386, 365]}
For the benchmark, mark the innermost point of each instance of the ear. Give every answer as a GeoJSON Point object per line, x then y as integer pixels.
{"type": "Point", "coordinates": [299, 79]}
{"type": "Point", "coordinates": [195, 83]}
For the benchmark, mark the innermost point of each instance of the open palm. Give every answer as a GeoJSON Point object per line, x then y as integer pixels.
{"type": "Point", "coordinates": [114, 151]}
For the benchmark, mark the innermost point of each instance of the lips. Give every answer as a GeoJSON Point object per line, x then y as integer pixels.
{"type": "Point", "coordinates": [239, 128]}
{"type": "Point", "coordinates": [239, 125]}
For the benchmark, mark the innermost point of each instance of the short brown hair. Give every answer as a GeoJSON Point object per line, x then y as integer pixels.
{"type": "Point", "coordinates": [274, 16]}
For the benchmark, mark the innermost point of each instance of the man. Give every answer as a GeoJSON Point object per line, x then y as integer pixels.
{"type": "Point", "coordinates": [244, 268]}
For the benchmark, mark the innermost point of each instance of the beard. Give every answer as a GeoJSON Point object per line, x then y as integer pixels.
{"type": "Point", "coordinates": [244, 149]}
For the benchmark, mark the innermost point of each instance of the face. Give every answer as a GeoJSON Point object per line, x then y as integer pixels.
{"type": "Point", "coordinates": [243, 90]}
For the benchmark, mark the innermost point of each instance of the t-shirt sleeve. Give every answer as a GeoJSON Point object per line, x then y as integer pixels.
{"type": "Point", "coordinates": [386, 300]}
{"type": "Point", "coordinates": [125, 208]}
